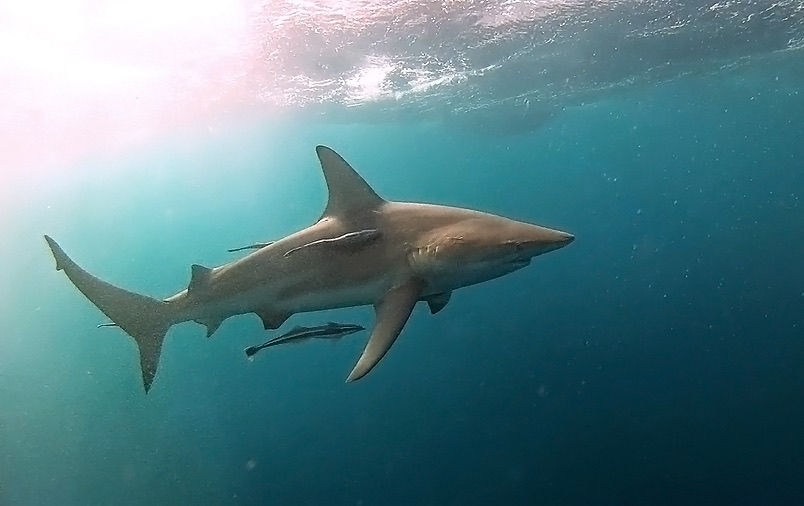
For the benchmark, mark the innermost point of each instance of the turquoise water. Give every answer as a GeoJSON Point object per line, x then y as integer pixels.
{"type": "Point", "coordinates": [656, 360]}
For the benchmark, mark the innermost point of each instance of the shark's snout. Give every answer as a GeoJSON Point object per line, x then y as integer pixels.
{"type": "Point", "coordinates": [561, 239]}
{"type": "Point", "coordinates": [547, 240]}
{"type": "Point", "coordinates": [553, 239]}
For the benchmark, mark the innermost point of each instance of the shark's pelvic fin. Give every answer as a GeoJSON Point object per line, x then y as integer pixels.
{"type": "Point", "coordinates": [347, 190]}
{"type": "Point", "coordinates": [212, 324]}
{"type": "Point", "coordinates": [257, 245]}
{"type": "Point", "coordinates": [392, 313]}
{"type": "Point", "coordinates": [199, 278]}
{"type": "Point", "coordinates": [143, 318]}
{"type": "Point", "coordinates": [272, 319]}
{"type": "Point", "coordinates": [438, 301]}
{"type": "Point", "coordinates": [352, 240]}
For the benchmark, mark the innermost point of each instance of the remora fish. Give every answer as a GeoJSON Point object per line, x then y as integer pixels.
{"type": "Point", "coordinates": [363, 250]}
{"type": "Point", "coordinates": [331, 330]}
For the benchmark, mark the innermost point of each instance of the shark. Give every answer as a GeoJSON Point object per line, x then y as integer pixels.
{"type": "Point", "coordinates": [363, 251]}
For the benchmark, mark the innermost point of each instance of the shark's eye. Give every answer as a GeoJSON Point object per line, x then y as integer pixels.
{"type": "Point", "coordinates": [519, 247]}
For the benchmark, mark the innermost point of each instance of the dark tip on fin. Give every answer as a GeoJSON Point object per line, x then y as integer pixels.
{"type": "Point", "coordinates": [58, 253]}
{"type": "Point", "coordinates": [251, 350]}
{"type": "Point", "coordinates": [212, 326]}
{"type": "Point", "coordinates": [272, 319]}
{"type": "Point", "coordinates": [438, 301]}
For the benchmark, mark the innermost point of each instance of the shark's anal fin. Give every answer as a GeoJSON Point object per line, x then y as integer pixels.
{"type": "Point", "coordinates": [199, 278]}
{"type": "Point", "coordinates": [211, 323]}
{"type": "Point", "coordinates": [272, 319]}
{"type": "Point", "coordinates": [258, 245]}
{"type": "Point", "coordinates": [392, 313]}
{"type": "Point", "coordinates": [143, 318]}
{"type": "Point", "coordinates": [438, 301]}
{"type": "Point", "coordinates": [358, 239]}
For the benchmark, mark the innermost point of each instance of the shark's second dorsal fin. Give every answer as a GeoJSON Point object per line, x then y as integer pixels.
{"type": "Point", "coordinates": [347, 190]}
{"type": "Point", "coordinates": [199, 277]}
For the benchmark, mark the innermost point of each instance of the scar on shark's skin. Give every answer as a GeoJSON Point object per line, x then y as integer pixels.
{"type": "Point", "coordinates": [364, 250]}
{"type": "Point", "coordinates": [350, 239]}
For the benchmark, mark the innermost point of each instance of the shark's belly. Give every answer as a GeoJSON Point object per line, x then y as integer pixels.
{"type": "Point", "coordinates": [335, 297]}
{"type": "Point", "coordinates": [311, 290]}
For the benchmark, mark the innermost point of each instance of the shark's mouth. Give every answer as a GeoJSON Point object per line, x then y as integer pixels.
{"type": "Point", "coordinates": [520, 263]}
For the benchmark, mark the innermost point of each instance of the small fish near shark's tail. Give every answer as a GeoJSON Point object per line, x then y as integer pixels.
{"type": "Point", "coordinates": [145, 319]}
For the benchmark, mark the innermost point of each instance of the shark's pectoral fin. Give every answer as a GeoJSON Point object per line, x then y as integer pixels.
{"type": "Point", "coordinates": [392, 312]}
{"type": "Point", "coordinates": [438, 301]}
{"type": "Point", "coordinates": [353, 240]}
{"type": "Point", "coordinates": [272, 319]}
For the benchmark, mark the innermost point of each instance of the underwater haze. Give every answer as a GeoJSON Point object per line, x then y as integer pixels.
{"type": "Point", "coordinates": [659, 359]}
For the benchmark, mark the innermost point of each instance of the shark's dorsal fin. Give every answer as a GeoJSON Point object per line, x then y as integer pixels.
{"type": "Point", "coordinates": [199, 277]}
{"type": "Point", "coordinates": [347, 190]}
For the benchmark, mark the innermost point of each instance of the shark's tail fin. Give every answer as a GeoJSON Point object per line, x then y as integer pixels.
{"type": "Point", "coordinates": [143, 318]}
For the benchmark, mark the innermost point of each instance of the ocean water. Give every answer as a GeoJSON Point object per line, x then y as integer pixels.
{"type": "Point", "coordinates": [659, 359]}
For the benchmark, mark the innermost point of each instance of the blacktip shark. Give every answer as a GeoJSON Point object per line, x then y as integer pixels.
{"type": "Point", "coordinates": [331, 330]}
{"type": "Point", "coordinates": [364, 250]}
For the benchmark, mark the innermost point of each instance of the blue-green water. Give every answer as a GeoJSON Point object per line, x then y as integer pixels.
{"type": "Point", "coordinates": [657, 360]}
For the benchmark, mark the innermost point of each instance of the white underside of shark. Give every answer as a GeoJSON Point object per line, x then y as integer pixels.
{"type": "Point", "coordinates": [363, 251]}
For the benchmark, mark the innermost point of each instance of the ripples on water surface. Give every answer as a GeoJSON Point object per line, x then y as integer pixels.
{"type": "Point", "coordinates": [434, 59]}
